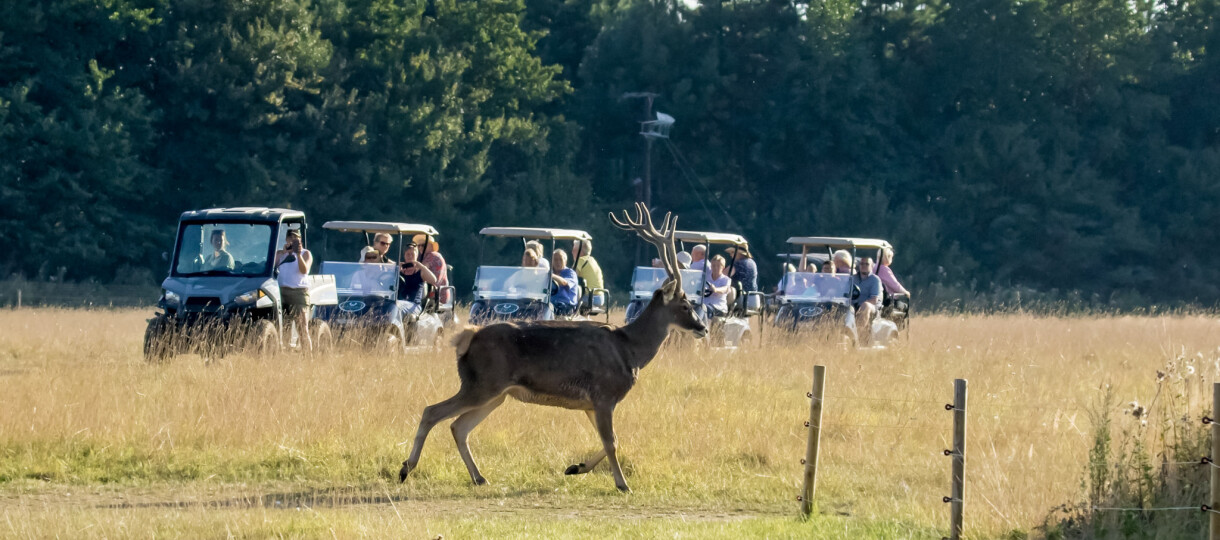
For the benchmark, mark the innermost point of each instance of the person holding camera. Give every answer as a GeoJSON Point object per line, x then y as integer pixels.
{"type": "Point", "coordinates": [293, 263]}
{"type": "Point", "coordinates": [412, 275]}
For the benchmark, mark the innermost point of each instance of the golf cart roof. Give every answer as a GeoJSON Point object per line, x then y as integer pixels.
{"type": "Point", "coordinates": [243, 213]}
{"type": "Point", "coordinates": [388, 227]}
{"type": "Point", "coordinates": [536, 233]}
{"type": "Point", "coordinates": [710, 237]}
{"type": "Point", "coordinates": [838, 242]}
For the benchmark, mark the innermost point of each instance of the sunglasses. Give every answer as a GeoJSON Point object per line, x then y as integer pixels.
{"type": "Point", "coordinates": [383, 243]}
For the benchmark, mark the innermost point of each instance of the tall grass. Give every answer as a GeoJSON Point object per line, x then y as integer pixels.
{"type": "Point", "coordinates": [704, 431]}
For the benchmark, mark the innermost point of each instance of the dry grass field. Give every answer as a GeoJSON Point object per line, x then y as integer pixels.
{"type": "Point", "coordinates": [96, 443]}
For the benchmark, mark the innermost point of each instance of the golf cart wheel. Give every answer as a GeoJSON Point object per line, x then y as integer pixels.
{"type": "Point", "coordinates": [263, 339]}
{"type": "Point", "coordinates": [158, 341]}
{"type": "Point", "coordinates": [323, 339]}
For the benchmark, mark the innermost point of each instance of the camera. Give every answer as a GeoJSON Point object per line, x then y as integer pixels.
{"type": "Point", "coordinates": [407, 264]}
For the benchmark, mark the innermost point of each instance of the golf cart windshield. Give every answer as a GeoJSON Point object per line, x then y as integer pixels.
{"type": "Point", "coordinates": [646, 280]}
{"type": "Point", "coordinates": [806, 286]}
{"type": "Point", "coordinates": [515, 282]}
{"type": "Point", "coordinates": [224, 249]}
{"type": "Point", "coordinates": [362, 279]}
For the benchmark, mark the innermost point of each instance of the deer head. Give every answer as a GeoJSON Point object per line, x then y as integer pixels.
{"type": "Point", "coordinates": [670, 299]}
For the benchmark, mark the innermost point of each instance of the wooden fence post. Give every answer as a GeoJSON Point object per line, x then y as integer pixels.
{"type": "Point", "coordinates": [815, 435]}
{"type": "Point", "coordinates": [957, 500]}
{"type": "Point", "coordinates": [1214, 523]}
{"type": "Point", "coordinates": [18, 298]}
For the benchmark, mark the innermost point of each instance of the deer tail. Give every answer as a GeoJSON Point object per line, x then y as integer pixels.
{"type": "Point", "coordinates": [462, 340]}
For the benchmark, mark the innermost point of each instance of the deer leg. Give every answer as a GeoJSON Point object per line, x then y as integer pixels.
{"type": "Point", "coordinates": [605, 428]}
{"type": "Point", "coordinates": [582, 468]}
{"type": "Point", "coordinates": [433, 414]}
{"type": "Point", "coordinates": [462, 427]}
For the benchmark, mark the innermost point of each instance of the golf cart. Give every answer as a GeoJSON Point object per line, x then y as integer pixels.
{"type": "Point", "coordinates": [516, 293]}
{"type": "Point", "coordinates": [222, 293]}
{"type": "Point", "coordinates": [735, 326]}
{"type": "Point", "coordinates": [369, 309]}
{"type": "Point", "coordinates": [809, 299]}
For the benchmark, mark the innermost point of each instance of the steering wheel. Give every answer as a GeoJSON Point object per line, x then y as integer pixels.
{"type": "Point", "coordinates": [707, 291]}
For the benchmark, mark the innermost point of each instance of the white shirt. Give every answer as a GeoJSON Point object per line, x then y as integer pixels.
{"type": "Point", "coordinates": [290, 272]}
{"type": "Point", "coordinates": [717, 299]}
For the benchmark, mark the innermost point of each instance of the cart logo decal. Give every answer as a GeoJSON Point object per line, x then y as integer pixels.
{"type": "Point", "coordinates": [352, 305]}
{"type": "Point", "coordinates": [506, 309]}
{"type": "Point", "coordinates": [812, 311]}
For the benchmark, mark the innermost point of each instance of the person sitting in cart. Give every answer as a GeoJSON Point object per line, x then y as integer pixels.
{"type": "Point", "coordinates": [868, 302]}
{"type": "Point", "coordinates": [698, 260]}
{"type": "Point", "coordinates": [435, 262]}
{"type": "Point", "coordinates": [842, 260]}
{"type": "Point", "coordinates": [892, 286]}
{"type": "Point", "coordinates": [745, 270]}
{"type": "Point", "coordinates": [369, 277]}
{"type": "Point", "coordinates": [220, 259]}
{"type": "Point", "coordinates": [563, 291]}
{"type": "Point", "coordinates": [536, 247]}
{"type": "Point", "coordinates": [381, 244]}
{"type": "Point", "coordinates": [412, 275]}
{"type": "Point", "coordinates": [586, 266]}
{"type": "Point", "coordinates": [718, 287]}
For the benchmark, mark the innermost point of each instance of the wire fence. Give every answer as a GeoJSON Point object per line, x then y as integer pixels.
{"type": "Point", "coordinates": [1062, 412]}
{"type": "Point", "coordinates": [25, 293]}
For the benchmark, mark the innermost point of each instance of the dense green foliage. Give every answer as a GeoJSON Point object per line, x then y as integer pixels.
{"type": "Point", "coordinates": [1047, 144]}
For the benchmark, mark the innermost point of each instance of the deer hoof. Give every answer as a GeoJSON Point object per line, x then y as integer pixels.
{"type": "Point", "coordinates": [579, 468]}
{"type": "Point", "coordinates": [402, 474]}
{"type": "Point", "coordinates": [480, 481]}
{"type": "Point", "coordinates": [623, 488]}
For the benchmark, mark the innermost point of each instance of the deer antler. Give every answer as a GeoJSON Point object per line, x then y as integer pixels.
{"type": "Point", "coordinates": [663, 239]}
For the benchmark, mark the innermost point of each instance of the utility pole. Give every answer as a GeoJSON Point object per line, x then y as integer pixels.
{"type": "Point", "coordinates": [648, 97]}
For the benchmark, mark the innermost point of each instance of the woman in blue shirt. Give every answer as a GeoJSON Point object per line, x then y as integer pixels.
{"type": "Point", "coordinates": [745, 270]}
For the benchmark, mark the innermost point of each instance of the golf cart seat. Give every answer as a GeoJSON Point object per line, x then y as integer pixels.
{"type": "Point", "coordinates": [745, 304]}
{"type": "Point", "coordinates": [590, 301]}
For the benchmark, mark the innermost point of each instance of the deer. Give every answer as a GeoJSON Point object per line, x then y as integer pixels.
{"type": "Point", "coordinates": [577, 365]}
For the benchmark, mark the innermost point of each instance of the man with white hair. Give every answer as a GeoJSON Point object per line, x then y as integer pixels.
{"type": "Point", "coordinates": [698, 259]}
{"type": "Point", "coordinates": [586, 266]}
{"type": "Point", "coordinates": [563, 290]}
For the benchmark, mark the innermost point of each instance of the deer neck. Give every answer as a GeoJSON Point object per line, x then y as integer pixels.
{"type": "Point", "coordinates": [646, 334]}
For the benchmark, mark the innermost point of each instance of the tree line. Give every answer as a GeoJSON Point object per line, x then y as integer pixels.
{"type": "Point", "coordinates": [1059, 147]}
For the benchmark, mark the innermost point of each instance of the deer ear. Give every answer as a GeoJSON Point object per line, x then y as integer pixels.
{"type": "Point", "coordinates": [669, 289]}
